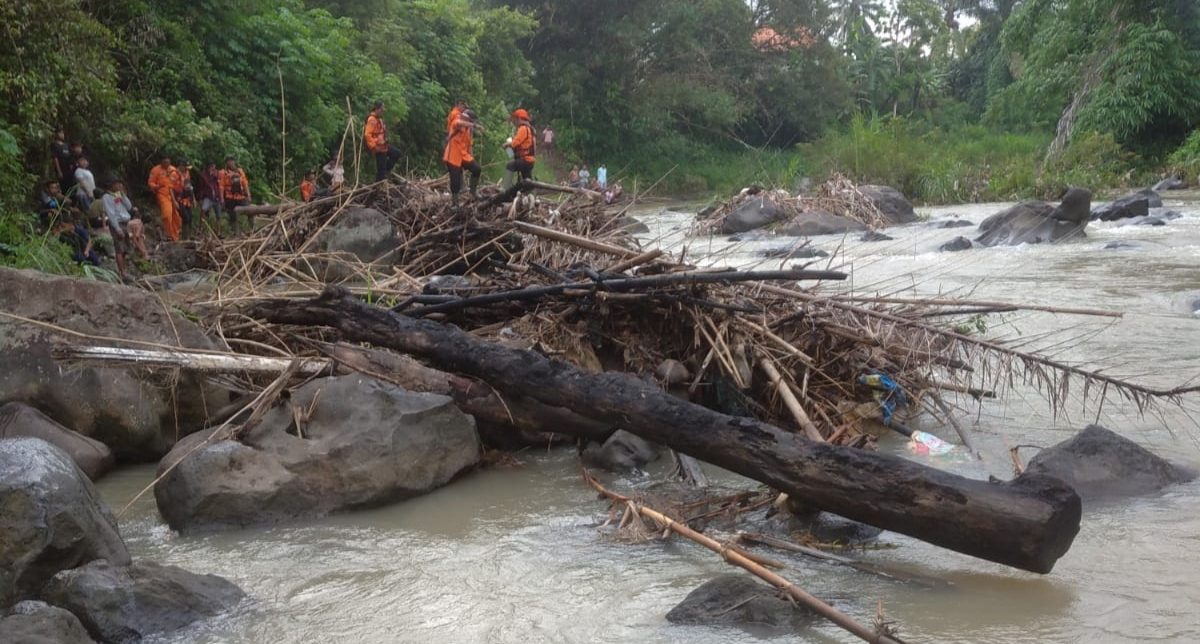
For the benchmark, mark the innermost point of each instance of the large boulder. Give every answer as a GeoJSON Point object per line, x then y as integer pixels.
{"type": "Point", "coordinates": [18, 420]}
{"type": "Point", "coordinates": [1101, 464]}
{"type": "Point", "coordinates": [358, 235]}
{"type": "Point", "coordinates": [754, 212]}
{"type": "Point", "coordinates": [1035, 222]}
{"type": "Point", "coordinates": [138, 414]}
{"type": "Point", "coordinates": [365, 443]}
{"type": "Point", "coordinates": [34, 622]}
{"type": "Point", "coordinates": [955, 245]}
{"type": "Point", "coordinates": [1170, 183]}
{"type": "Point", "coordinates": [622, 452]}
{"type": "Point", "coordinates": [891, 203]}
{"type": "Point", "coordinates": [811, 224]}
{"type": "Point", "coordinates": [51, 518]}
{"type": "Point", "coordinates": [1127, 207]}
{"type": "Point", "coordinates": [875, 236]}
{"type": "Point", "coordinates": [128, 603]}
{"type": "Point", "coordinates": [738, 600]}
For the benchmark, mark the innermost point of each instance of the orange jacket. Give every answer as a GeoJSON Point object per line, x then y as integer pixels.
{"type": "Point", "coordinates": [452, 118]}
{"type": "Point", "coordinates": [307, 188]}
{"type": "Point", "coordinates": [375, 134]}
{"type": "Point", "coordinates": [458, 148]}
{"type": "Point", "coordinates": [163, 180]}
{"type": "Point", "coordinates": [523, 143]}
{"type": "Point", "coordinates": [227, 188]}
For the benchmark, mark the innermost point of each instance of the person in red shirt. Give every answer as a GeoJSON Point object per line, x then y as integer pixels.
{"type": "Point", "coordinates": [460, 106]}
{"type": "Point", "coordinates": [375, 138]}
{"type": "Point", "coordinates": [460, 155]}
{"type": "Point", "coordinates": [523, 146]}
{"type": "Point", "coordinates": [163, 180]}
{"type": "Point", "coordinates": [235, 191]}
{"type": "Point", "coordinates": [308, 186]}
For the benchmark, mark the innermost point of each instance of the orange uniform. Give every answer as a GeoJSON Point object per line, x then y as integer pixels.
{"type": "Point", "coordinates": [453, 117]}
{"type": "Point", "coordinates": [307, 188]}
{"type": "Point", "coordinates": [163, 181]}
{"type": "Point", "coordinates": [523, 142]}
{"type": "Point", "coordinates": [375, 134]}
{"type": "Point", "coordinates": [230, 191]}
{"type": "Point", "coordinates": [459, 148]}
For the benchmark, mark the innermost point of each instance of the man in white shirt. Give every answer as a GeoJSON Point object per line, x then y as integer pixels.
{"type": "Point", "coordinates": [602, 176]}
{"type": "Point", "coordinates": [85, 184]}
{"type": "Point", "coordinates": [119, 209]}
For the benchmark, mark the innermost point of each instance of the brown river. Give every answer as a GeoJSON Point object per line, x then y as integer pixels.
{"type": "Point", "coordinates": [514, 554]}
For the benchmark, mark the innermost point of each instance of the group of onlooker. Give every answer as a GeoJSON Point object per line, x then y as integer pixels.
{"type": "Point", "coordinates": [581, 177]}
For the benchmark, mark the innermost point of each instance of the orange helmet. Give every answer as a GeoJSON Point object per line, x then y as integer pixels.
{"type": "Point", "coordinates": [520, 113]}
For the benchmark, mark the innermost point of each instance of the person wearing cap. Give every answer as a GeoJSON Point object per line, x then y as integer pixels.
{"type": "Point", "coordinates": [375, 137]}
{"type": "Point", "coordinates": [163, 179]}
{"type": "Point", "coordinates": [523, 146]}
{"type": "Point", "coordinates": [459, 155]}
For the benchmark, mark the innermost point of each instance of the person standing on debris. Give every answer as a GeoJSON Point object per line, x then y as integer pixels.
{"type": "Point", "coordinates": [602, 176]}
{"type": "Point", "coordinates": [163, 179]}
{"type": "Point", "coordinates": [60, 152]}
{"type": "Point", "coordinates": [524, 149]}
{"type": "Point", "coordinates": [459, 156]}
{"type": "Point", "coordinates": [456, 112]}
{"type": "Point", "coordinates": [119, 211]}
{"type": "Point", "coordinates": [185, 196]}
{"type": "Point", "coordinates": [308, 187]}
{"type": "Point", "coordinates": [548, 137]}
{"type": "Point", "coordinates": [208, 191]}
{"type": "Point", "coordinates": [375, 136]}
{"type": "Point", "coordinates": [235, 191]}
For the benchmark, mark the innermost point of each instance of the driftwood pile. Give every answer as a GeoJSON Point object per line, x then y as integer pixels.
{"type": "Point", "coordinates": [543, 317]}
{"type": "Point", "coordinates": [837, 196]}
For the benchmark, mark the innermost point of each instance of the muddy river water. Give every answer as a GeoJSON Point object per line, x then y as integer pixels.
{"type": "Point", "coordinates": [513, 554]}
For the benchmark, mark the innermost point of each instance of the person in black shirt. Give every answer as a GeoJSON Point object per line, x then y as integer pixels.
{"type": "Point", "coordinates": [60, 152]}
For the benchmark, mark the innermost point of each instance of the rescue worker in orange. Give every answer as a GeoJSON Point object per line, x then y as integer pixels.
{"type": "Point", "coordinates": [523, 146]}
{"type": "Point", "coordinates": [235, 191]}
{"type": "Point", "coordinates": [460, 106]}
{"type": "Point", "coordinates": [460, 155]}
{"type": "Point", "coordinates": [308, 187]}
{"type": "Point", "coordinates": [185, 195]}
{"type": "Point", "coordinates": [163, 179]}
{"type": "Point", "coordinates": [375, 136]}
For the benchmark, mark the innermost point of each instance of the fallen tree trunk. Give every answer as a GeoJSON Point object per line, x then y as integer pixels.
{"type": "Point", "coordinates": [1028, 523]}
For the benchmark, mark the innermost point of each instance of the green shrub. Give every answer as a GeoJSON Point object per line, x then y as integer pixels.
{"type": "Point", "coordinates": [1093, 161]}
{"type": "Point", "coordinates": [1186, 160]}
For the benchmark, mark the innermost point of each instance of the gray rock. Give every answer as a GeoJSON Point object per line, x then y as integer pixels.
{"type": "Point", "coordinates": [362, 234]}
{"type": "Point", "coordinates": [953, 223]}
{"type": "Point", "coordinates": [811, 224]}
{"type": "Point", "coordinates": [51, 518]}
{"type": "Point", "coordinates": [18, 420]}
{"type": "Point", "coordinates": [1120, 245]}
{"type": "Point", "coordinates": [137, 414]}
{"type": "Point", "coordinates": [1101, 464]}
{"type": "Point", "coordinates": [1165, 214]}
{"type": "Point", "coordinates": [875, 236]}
{"type": "Point", "coordinates": [1149, 221]}
{"type": "Point", "coordinates": [739, 600]}
{"type": "Point", "coordinates": [754, 212]}
{"type": "Point", "coordinates": [955, 245]}
{"type": "Point", "coordinates": [632, 226]}
{"type": "Point", "coordinates": [1170, 183]}
{"type": "Point", "coordinates": [672, 372]}
{"type": "Point", "coordinates": [752, 235]}
{"type": "Point", "coordinates": [33, 622]}
{"type": "Point", "coordinates": [128, 603]}
{"type": "Point", "coordinates": [1035, 222]}
{"type": "Point", "coordinates": [891, 202]}
{"type": "Point", "coordinates": [803, 252]}
{"type": "Point", "coordinates": [1152, 197]}
{"type": "Point", "coordinates": [1127, 207]}
{"type": "Point", "coordinates": [622, 452]}
{"type": "Point", "coordinates": [366, 443]}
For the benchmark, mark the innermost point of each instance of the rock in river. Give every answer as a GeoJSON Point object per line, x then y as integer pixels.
{"type": "Point", "coordinates": [51, 518]}
{"type": "Point", "coordinates": [1101, 464]}
{"type": "Point", "coordinates": [622, 452]}
{"type": "Point", "coordinates": [810, 224]}
{"type": "Point", "coordinates": [1170, 183]}
{"type": "Point", "coordinates": [875, 236]}
{"type": "Point", "coordinates": [736, 599]}
{"type": "Point", "coordinates": [34, 622]}
{"type": "Point", "coordinates": [128, 603]}
{"type": "Point", "coordinates": [365, 443]}
{"type": "Point", "coordinates": [1127, 207]}
{"type": "Point", "coordinates": [955, 245]}
{"type": "Point", "coordinates": [19, 420]}
{"type": "Point", "coordinates": [137, 414]}
{"type": "Point", "coordinates": [1035, 222]}
{"type": "Point", "coordinates": [891, 202]}
{"type": "Point", "coordinates": [755, 212]}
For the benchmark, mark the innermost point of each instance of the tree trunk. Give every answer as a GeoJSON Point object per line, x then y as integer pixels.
{"type": "Point", "coordinates": [1027, 523]}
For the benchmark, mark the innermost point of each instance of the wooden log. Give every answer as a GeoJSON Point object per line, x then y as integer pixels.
{"type": "Point", "coordinates": [574, 240]}
{"type": "Point", "coordinates": [1027, 523]}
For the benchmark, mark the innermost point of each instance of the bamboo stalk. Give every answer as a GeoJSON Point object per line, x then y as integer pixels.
{"type": "Point", "coordinates": [188, 360]}
{"type": "Point", "coordinates": [740, 558]}
{"type": "Point", "coordinates": [574, 240]}
{"type": "Point", "coordinates": [789, 400]}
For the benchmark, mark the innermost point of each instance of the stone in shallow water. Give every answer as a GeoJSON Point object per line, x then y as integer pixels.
{"type": "Point", "coordinates": [1101, 464]}
{"type": "Point", "coordinates": [737, 599]}
{"type": "Point", "coordinates": [34, 622]}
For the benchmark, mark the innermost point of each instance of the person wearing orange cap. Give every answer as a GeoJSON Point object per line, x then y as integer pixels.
{"type": "Point", "coordinates": [460, 156]}
{"type": "Point", "coordinates": [523, 146]}
{"type": "Point", "coordinates": [375, 137]}
{"type": "Point", "coordinates": [163, 179]}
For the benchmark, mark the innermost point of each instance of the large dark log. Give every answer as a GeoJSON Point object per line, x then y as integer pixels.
{"type": "Point", "coordinates": [1027, 523]}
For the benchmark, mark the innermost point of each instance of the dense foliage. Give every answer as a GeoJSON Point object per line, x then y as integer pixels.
{"type": "Point", "coordinates": [947, 99]}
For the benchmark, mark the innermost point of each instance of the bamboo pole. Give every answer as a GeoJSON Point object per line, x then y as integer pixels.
{"type": "Point", "coordinates": [738, 557]}
{"type": "Point", "coordinates": [189, 360]}
{"type": "Point", "coordinates": [790, 401]}
{"type": "Point", "coordinates": [574, 240]}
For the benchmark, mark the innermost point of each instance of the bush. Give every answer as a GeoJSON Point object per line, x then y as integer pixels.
{"type": "Point", "coordinates": [1093, 161]}
{"type": "Point", "coordinates": [1186, 160]}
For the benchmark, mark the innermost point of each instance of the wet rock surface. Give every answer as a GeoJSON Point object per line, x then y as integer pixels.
{"type": "Point", "coordinates": [1101, 464]}
{"type": "Point", "coordinates": [18, 420]}
{"type": "Point", "coordinates": [622, 452]}
{"type": "Point", "coordinates": [1036, 222]}
{"type": "Point", "coordinates": [737, 600]}
{"type": "Point", "coordinates": [35, 622]}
